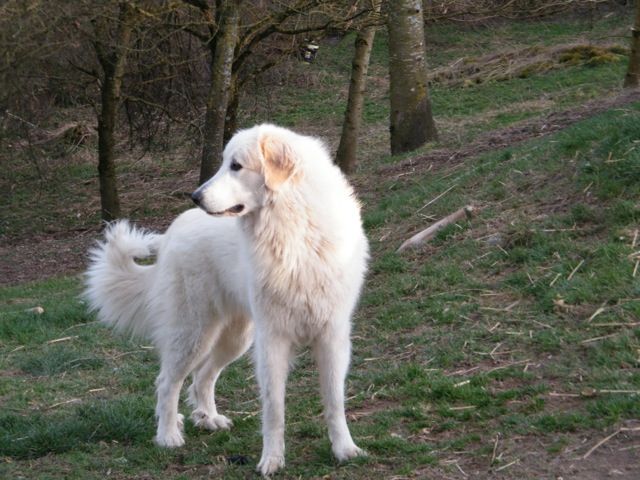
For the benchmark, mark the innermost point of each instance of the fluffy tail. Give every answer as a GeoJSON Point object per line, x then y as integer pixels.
{"type": "Point", "coordinates": [116, 286]}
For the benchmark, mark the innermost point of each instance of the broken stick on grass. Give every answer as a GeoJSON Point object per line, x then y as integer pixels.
{"type": "Point", "coordinates": [609, 437]}
{"type": "Point", "coordinates": [429, 232]}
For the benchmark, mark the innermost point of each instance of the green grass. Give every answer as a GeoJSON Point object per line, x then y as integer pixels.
{"type": "Point", "coordinates": [440, 344]}
{"type": "Point", "coordinates": [487, 332]}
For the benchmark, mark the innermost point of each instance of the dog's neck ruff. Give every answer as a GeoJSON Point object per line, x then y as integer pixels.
{"type": "Point", "coordinates": [289, 252]}
{"type": "Point", "coordinates": [285, 235]}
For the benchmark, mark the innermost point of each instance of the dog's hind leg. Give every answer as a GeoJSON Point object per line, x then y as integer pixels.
{"type": "Point", "coordinates": [186, 349]}
{"type": "Point", "coordinates": [332, 352]}
{"type": "Point", "coordinates": [234, 340]}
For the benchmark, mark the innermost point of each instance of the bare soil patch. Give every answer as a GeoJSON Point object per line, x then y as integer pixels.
{"type": "Point", "coordinates": [51, 255]}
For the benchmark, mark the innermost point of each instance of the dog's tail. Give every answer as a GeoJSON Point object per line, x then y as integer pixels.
{"type": "Point", "coordinates": [116, 286]}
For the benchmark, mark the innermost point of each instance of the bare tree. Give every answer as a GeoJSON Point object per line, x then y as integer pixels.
{"type": "Point", "coordinates": [218, 98]}
{"type": "Point", "coordinates": [632, 78]}
{"type": "Point", "coordinates": [411, 120]}
{"type": "Point", "coordinates": [111, 51]}
{"type": "Point", "coordinates": [261, 30]}
{"type": "Point", "coordinates": [346, 155]}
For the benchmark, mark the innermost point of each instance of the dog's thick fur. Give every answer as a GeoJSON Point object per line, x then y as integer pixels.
{"type": "Point", "coordinates": [275, 253]}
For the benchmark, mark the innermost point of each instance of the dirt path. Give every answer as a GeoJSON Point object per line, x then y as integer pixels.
{"type": "Point", "coordinates": [65, 253]}
{"type": "Point", "coordinates": [519, 132]}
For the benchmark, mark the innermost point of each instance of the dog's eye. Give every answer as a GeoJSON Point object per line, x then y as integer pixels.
{"type": "Point", "coordinates": [235, 166]}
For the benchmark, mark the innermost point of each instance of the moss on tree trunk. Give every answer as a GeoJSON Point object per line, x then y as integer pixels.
{"type": "Point", "coordinates": [218, 96]}
{"type": "Point", "coordinates": [112, 55]}
{"type": "Point", "coordinates": [411, 120]}
{"type": "Point", "coordinates": [346, 155]}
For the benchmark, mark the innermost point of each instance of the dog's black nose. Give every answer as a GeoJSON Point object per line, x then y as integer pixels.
{"type": "Point", "coordinates": [196, 197]}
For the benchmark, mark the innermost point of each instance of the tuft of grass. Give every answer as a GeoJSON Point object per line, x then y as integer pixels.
{"type": "Point", "coordinates": [57, 359]}
{"type": "Point", "coordinates": [125, 420]}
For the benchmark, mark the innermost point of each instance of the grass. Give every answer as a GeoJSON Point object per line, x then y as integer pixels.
{"type": "Point", "coordinates": [455, 343]}
{"type": "Point", "coordinates": [510, 338]}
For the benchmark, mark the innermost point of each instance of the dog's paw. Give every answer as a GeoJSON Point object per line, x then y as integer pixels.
{"type": "Point", "coordinates": [210, 422]}
{"type": "Point", "coordinates": [172, 439]}
{"type": "Point", "coordinates": [347, 452]}
{"type": "Point", "coordinates": [181, 422]}
{"type": "Point", "coordinates": [270, 464]}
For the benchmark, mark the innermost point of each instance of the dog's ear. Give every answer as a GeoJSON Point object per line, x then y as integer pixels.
{"type": "Point", "coordinates": [279, 162]}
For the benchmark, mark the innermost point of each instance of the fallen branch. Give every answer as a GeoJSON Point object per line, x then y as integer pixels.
{"type": "Point", "coordinates": [429, 232]}
{"type": "Point", "coordinates": [73, 133]}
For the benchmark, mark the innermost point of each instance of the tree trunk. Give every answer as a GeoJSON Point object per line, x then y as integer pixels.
{"type": "Point", "coordinates": [347, 150]}
{"type": "Point", "coordinates": [112, 59]}
{"type": "Point", "coordinates": [632, 78]}
{"type": "Point", "coordinates": [218, 97]}
{"type": "Point", "coordinates": [411, 122]}
{"type": "Point", "coordinates": [231, 120]}
{"type": "Point", "coordinates": [110, 203]}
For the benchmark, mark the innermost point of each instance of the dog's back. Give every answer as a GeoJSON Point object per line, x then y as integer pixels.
{"type": "Point", "coordinates": [198, 266]}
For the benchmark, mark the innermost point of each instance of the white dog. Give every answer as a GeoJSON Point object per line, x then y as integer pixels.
{"type": "Point", "coordinates": [278, 240]}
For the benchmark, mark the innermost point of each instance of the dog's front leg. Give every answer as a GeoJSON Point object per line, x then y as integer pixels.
{"type": "Point", "coordinates": [332, 352]}
{"type": "Point", "coordinates": [272, 366]}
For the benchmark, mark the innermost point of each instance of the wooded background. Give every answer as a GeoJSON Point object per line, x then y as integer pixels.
{"type": "Point", "coordinates": [147, 68]}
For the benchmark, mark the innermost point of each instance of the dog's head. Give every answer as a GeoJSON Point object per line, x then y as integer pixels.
{"type": "Point", "coordinates": [255, 163]}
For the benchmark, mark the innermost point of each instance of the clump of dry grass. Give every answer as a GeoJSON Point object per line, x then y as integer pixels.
{"type": "Point", "coordinates": [524, 62]}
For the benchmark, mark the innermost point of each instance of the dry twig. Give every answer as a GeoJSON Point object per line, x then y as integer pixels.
{"type": "Point", "coordinates": [573, 272]}
{"type": "Point", "coordinates": [63, 339]}
{"type": "Point", "coordinates": [596, 313]}
{"type": "Point", "coordinates": [436, 198]}
{"type": "Point", "coordinates": [595, 339]}
{"type": "Point", "coordinates": [607, 438]}
{"type": "Point", "coordinates": [507, 465]}
{"type": "Point", "coordinates": [495, 450]}
{"type": "Point", "coordinates": [73, 400]}
{"type": "Point", "coordinates": [616, 324]}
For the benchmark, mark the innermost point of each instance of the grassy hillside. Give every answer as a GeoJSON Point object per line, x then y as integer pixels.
{"type": "Point", "coordinates": [507, 347]}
